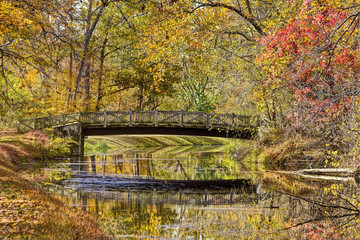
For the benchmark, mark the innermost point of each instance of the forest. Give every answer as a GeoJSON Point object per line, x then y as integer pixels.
{"type": "Point", "coordinates": [294, 63]}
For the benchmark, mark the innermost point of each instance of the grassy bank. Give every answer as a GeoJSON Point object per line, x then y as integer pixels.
{"type": "Point", "coordinates": [272, 159]}
{"type": "Point", "coordinates": [27, 212]}
{"type": "Point", "coordinates": [275, 151]}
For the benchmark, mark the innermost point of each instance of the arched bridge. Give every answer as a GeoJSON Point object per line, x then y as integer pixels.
{"type": "Point", "coordinates": [150, 122]}
{"type": "Point", "coordinates": [79, 125]}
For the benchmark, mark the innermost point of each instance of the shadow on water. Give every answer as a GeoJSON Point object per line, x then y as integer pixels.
{"type": "Point", "coordinates": [197, 193]}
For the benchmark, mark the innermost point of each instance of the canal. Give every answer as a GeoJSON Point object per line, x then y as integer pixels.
{"type": "Point", "coordinates": [203, 192]}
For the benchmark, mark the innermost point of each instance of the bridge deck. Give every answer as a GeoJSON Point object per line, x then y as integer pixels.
{"type": "Point", "coordinates": [167, 119]}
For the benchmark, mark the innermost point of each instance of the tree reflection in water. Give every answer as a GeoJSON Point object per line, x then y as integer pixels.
{"type": "Point", "coordinates": [280, 206]}
{"type": "Point", "coordinates": [330, 210]}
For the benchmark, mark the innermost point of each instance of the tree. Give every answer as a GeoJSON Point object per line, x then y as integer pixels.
{"type": "Point", "coordinates": [313, 58]}
{"type": "Point", "coordinates": [19, 20]}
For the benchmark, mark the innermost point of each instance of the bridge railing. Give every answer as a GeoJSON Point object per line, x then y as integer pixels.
{"type": "Point", "coordinates": [144, 118]}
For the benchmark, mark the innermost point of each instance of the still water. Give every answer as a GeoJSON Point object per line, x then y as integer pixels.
{"type": "Point", "coordinates": [200, 192]}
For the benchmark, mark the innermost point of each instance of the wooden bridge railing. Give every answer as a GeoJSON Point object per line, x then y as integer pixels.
{"type": "Point", "coordinates": [144, 118]}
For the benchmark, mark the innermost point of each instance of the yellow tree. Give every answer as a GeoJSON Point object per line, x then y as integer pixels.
{"type": "Point", "coordinates": [18, 21]}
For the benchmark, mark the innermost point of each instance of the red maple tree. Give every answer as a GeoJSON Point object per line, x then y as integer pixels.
{"type": "Point", "coordinates": [315, 57]}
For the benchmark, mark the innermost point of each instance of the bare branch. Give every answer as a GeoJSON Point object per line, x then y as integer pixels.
{"type": "Point", "coordinates": [239, 11]}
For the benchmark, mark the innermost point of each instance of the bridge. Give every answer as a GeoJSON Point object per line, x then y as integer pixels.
{"type": "Point", "coordinates": [78, 125]}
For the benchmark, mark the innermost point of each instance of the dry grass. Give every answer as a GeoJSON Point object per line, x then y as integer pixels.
{"type": "Point", "coordinates": [292, 154]}
{"type": "Point", "coordinates": [27, 212]}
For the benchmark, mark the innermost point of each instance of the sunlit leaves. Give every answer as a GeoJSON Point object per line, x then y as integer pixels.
{"type": "Point", "coordinates": [311, 57]}
{"type": "Point", "coordinates": [15, 20]}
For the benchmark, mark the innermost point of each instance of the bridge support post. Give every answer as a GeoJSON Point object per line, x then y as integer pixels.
{"type": "Point", "coordinates": [75, 131]}
{"type": "Point", "coordinates": [156, 118]}
{"type": "Point", "coordinates": [131, 117]}
{"type": "Point", "coordinates": [81, 147]}
{"type": "Point", "coordinates": [105, 119]}
{"type": "Point", "coordinates": [182, 119]}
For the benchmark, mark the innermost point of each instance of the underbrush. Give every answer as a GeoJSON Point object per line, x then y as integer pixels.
{"type": "Point", "coordinates": [276, 151]}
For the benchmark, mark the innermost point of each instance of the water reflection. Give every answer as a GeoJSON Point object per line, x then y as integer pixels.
{"type": "Point", "coordinates": [174, 214]}
{"type": "Point", "coordinates": [203, 197]}
{"type": "Point", "coordinates": [130, 192]}
{"type": "Point", "coordinates": [161, 164]}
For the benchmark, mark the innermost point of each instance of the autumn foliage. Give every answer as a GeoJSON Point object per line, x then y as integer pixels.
{"type": "Point", "coordinates": [313, 58]}
{"type": "Point", "coordinates": [288, 61]}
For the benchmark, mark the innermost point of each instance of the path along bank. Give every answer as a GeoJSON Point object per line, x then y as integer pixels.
{"type": "Point", "coordinates": [26, 211]}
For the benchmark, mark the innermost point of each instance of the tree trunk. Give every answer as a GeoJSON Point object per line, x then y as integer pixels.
{"type": "Point", "coordinates": [101, 73]}
{"type": "Point", "coordinates": [141, 98]}
{"type": "Point", "coordinates": [70, 79]}
{"type": "Point", "coordinates": [87, 86]}
{"type": "Point", "coordinates": [88, 34]}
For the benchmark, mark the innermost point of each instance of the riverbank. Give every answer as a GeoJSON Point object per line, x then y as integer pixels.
{"type": "Point", "coordinates": [275, 152]}
{"type": "Point", "coordinates": [26, 211]}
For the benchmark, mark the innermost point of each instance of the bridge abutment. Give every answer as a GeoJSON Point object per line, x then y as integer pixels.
{"type": "Point", "coordinates": [75, 131]}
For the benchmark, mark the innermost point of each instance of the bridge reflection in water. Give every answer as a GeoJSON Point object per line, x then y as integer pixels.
{"type": "Point", "coordinates": [89, 199]}
{"type": "Point", "coordinates": [147, 166]}
{"type": "Point", "coordinates": [152, 190]}
{"type": "Point", "coordinates": [133, 178]}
